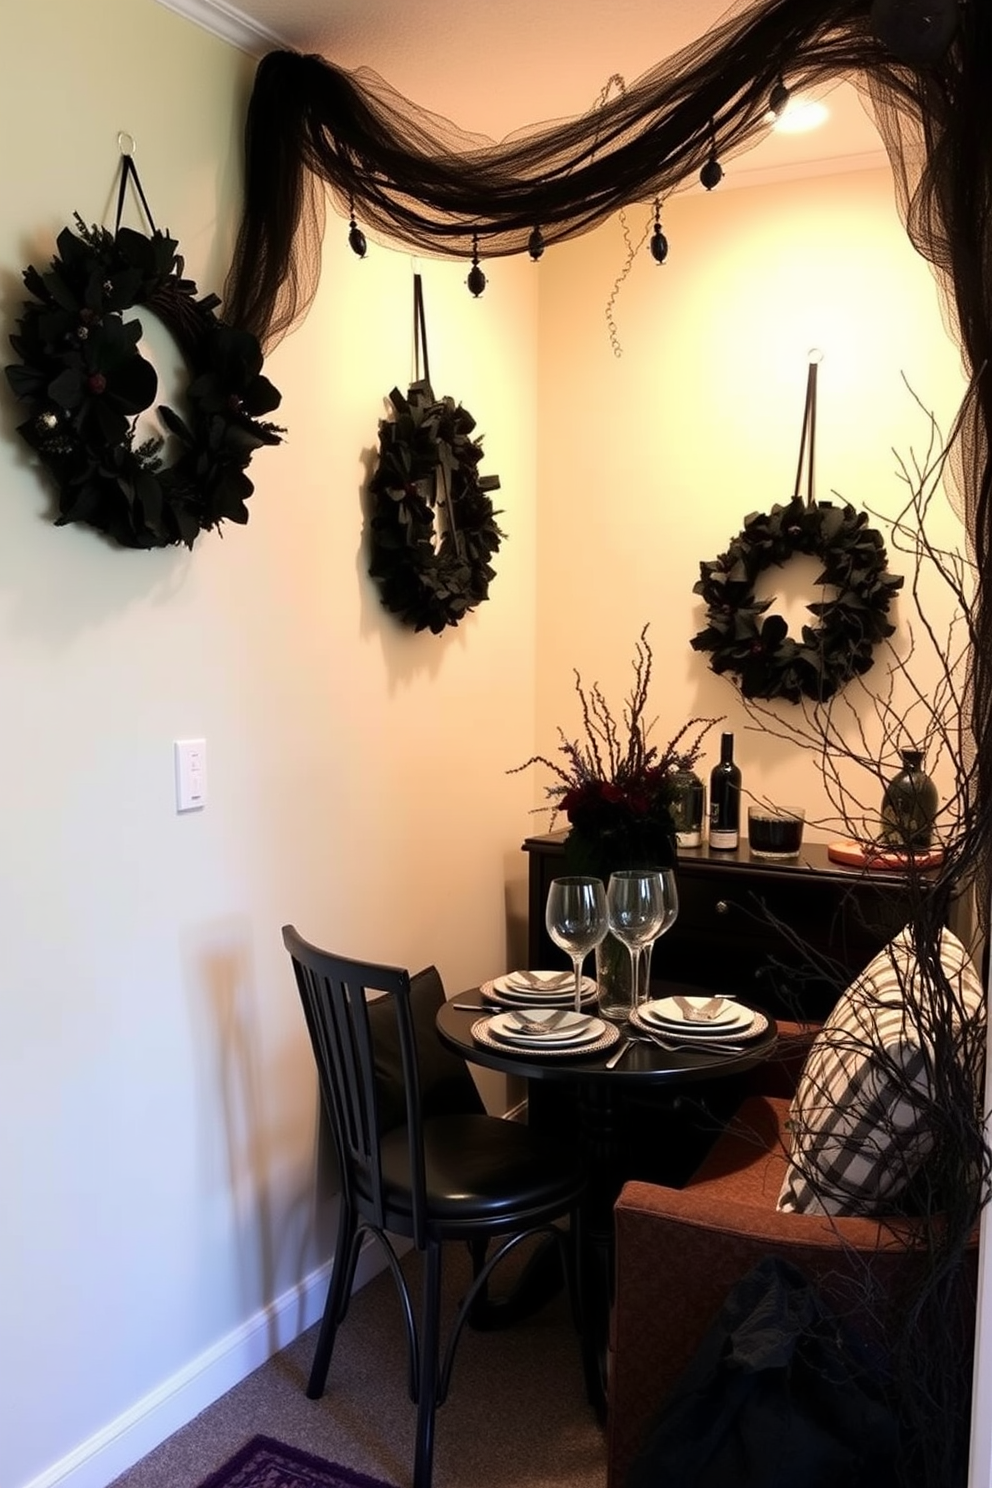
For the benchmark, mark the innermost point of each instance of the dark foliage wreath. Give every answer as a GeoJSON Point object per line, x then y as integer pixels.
{"type": "Point", "coordinates": [85, 383]}
{"type": "Point", "coordinates": [757, 647]}
{"type": "Point", "coordinates": [428, 463]}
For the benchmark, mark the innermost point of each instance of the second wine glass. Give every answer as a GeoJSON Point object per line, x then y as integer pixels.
{"type": "Point", "coordinates": [641, 904]}
{"type": "Point", "coordinates": [670, 895]}
{"type": "Point", "coordinates": [576, 920]}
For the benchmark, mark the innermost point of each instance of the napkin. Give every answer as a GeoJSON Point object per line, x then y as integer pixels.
{"type": "Point", "coordinates": [704, 1014]}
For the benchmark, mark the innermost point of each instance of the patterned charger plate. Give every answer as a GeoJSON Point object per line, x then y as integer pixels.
{"type": "Point", "coordinates": [606, 1040]}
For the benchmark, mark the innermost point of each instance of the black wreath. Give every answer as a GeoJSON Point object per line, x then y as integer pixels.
{"type": "Point", "coordinates": [85, 382]}
{"type": "Point", "coordinates": [428, 461]}
{"type": "Point", "coordinates": [757, 647]}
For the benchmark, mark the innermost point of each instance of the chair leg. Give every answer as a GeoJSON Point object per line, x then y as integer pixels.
{"type": "Point", "coordinates": [570, 1245]}
{"type": "Point", "coordinates": [423, 1465]}
{"type": "Point", "coordinates": [479, 1316]}
{"type": "Point", "coordinates": [342, 1273]}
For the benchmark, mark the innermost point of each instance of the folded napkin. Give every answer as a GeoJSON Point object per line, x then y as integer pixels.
{"type": "Point", "coordinates": [545, 981]}
{"type": "Point", "coordinates": [704, 1014]}
{"type": "Point", "coordinates": [524, 1022]}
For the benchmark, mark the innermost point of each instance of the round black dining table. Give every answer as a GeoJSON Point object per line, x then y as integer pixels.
{"type": "Point", "coordinates": [595, 1094]}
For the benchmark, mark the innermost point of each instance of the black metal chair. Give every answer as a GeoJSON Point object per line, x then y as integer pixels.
{"type": "Point", "coordinates": [438, 1173]}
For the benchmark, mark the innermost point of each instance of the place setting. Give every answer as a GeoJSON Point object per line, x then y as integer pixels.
{"type": "Point", "coordinates": [548, 1011]}
{"type": "Point", "coordinates": [714, 1024]}
{"type": "Point", "coordinates": [524, 989]}
{"type": "Point", "coordinates": [545, 1031]}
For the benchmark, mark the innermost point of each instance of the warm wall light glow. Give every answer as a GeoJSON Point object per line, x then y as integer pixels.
{"type": "Point", "coordinates": [799, 115]}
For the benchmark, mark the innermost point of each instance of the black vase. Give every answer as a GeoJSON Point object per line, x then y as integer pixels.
{"type": "Point", "coordinates": [909, 806]}
{"type": "Point", "coordinates": [631, 844]}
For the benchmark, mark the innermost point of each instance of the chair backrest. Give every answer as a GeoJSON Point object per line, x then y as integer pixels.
{"type": "Point", "coordinates": [335, 993]}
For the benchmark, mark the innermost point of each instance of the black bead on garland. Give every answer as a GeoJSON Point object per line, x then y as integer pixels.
{"type": "Point", "coordinates": [742, 639]}
{"type": "Point", "coordinates": [429, 461]}
{"type": "Point", "coordinates": [85, 382]}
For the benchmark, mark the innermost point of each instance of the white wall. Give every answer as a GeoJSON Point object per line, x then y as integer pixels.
{"type": "Point", "coordinates": [156, 1095]}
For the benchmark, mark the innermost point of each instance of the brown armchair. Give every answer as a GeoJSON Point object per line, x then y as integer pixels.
{"type": "Point", "coordinates": [680, 1251]}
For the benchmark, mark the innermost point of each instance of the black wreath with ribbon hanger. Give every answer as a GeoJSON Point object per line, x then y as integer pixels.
{"type": "Point", "coordinates": [85, 382]}
{"type": "Point", "coordinates": [432, 526]}
{"type": "Point", "coordinates": [756, 647]}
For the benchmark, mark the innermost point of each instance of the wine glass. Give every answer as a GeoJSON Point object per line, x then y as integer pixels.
{"type": "Point", "coordinates": [576, 920]}
{"type": "Point", "coordinates": [670, 895]}
{"type": "Point", "coordinates": [641, 905]}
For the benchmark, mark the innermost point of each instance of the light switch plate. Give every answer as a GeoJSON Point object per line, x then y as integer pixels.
{"type": "Point", "coordinates": [191, 774]}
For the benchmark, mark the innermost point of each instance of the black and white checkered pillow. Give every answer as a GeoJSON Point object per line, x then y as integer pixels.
{"type": "Point", "coordinates": [858, 1120]}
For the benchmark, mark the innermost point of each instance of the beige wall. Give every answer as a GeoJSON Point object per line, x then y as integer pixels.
{"type": "Point", "coordinates": [651, 460]}
{"type": "Point", "coordinates": [156, 1096]}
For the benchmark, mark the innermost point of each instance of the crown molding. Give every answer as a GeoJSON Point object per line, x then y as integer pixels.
{"type": "Point", "coordinates": [227, 22]}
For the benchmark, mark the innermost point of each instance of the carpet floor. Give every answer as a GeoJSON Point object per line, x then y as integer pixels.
{"type": "Point", "coordinates": [516, 1415]}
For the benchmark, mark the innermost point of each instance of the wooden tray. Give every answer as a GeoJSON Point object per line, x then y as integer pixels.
{"type": "Point", "coordinates": [868, 855]}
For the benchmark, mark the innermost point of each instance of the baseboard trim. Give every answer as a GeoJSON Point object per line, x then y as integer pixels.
{"type": "Point", "coordinates": [122, 1443]}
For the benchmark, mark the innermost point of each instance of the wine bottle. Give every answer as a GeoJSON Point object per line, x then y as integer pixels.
{"type": "Point", "coordinates": [725, 798]}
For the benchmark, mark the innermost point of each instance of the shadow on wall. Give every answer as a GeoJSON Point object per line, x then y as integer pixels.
{"type": "Point", "coordinates": [246, 1129]}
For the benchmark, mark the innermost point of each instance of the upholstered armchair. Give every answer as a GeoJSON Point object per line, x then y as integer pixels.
{"type": "Point", "coordinates": [680, 1251]}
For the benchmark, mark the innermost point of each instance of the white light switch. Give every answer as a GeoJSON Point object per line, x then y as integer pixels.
{"type": "Point", "coordinates": [191, 774]}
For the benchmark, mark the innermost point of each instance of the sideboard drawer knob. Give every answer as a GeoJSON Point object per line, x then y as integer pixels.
{"type": "Point", "coordinates": [722, 907]}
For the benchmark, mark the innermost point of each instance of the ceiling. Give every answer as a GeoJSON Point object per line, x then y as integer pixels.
{"type": "Point", "coordinates": [497, 66]}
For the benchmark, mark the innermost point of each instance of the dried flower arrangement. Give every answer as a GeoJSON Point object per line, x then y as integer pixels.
{"type": "Point", "coordinates": [615, 788]}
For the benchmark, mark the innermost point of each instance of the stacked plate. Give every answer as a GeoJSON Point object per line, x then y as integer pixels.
{"type": "Point", "coordinates": [554, 989]}
{"type": "Point", "coordinates": [545, 1031]}
{"type": "Point", "coordinates": [700, 1019]}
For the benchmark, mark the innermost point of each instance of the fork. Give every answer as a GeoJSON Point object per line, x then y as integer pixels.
{"type": "Point", "coordinates": [620, 1051]}
{"type": "Point", "coordinates": [694, 1046]}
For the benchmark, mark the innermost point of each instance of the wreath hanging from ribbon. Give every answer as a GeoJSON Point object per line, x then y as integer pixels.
{"type": "Point", "coordinates": [432, 525]}
{"type": "Point", "coordinates": [85, 383]}
{"type": "Point", "coordinates": [744, 640]}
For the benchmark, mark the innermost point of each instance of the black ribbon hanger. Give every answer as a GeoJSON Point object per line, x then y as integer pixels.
{"type": "Point", "coordinates": [129, 172]}
{"type": "Point", "coordinates": [807, 442]}
{"type": "Point", "coordinates": [420, 333]}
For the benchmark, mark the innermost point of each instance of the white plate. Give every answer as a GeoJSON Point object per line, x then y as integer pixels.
{"type": "Point", "coordinates": [541, 984]}
{"type": "Point", "coordinates": [574, 1030]}
{"type": "Point", "coordinates": [665, 1013]}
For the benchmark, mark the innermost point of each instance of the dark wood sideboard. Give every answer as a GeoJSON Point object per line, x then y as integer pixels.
{"type": "Point", "coordinates": [744, 923]}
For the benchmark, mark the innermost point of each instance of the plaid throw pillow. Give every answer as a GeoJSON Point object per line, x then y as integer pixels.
{"type": "Point", "coordinates": [858, 1120]}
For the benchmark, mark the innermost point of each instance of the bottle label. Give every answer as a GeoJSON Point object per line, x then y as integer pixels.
{"type": "Point", "coordinates": [723, 839]}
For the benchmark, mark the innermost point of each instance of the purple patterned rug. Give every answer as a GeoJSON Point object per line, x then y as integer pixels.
{"type": "Point", "coordinates": [264, 1463]}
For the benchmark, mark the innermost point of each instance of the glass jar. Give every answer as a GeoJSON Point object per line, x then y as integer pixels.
{"type": "Point", "coordinates": [688, 808]}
